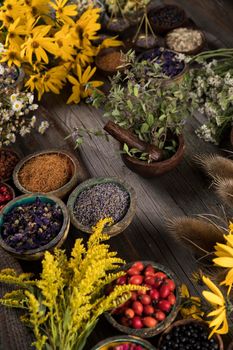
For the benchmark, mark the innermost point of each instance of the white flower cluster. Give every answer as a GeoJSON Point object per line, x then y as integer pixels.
{"type": "Point", "coordinates": [17, 116]}
{"type": "Point", "coordinates": [214, 98]}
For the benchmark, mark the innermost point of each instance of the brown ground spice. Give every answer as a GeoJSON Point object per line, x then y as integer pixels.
{"type": "Point", "coordinates": [110, 61]}
{"type": "Point", "coordinates": [8, 161]}
{"type": "Point", "coordinates": [45, 173]}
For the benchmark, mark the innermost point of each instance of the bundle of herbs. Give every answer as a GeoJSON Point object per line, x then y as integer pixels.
{"type": "Point", "coordinates": [212, 90]}
{"type": "Point", "coordinates": [145, 101]}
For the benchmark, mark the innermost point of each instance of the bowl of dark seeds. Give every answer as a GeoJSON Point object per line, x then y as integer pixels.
{"type": "Point", "coordinates": [100, 198]}
{"type": "Point", "coordinates": [32, 224]}
{"type": "Point", "coordinates": [189, 334]}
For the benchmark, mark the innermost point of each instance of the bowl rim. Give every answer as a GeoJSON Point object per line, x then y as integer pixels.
{"type": "Point", "coordinates": [10, 188]}
{"type": "Point", "coordinates": [50, 244]}
{"type": "Point", "coordinates": [190, 52]}
{"type": "Point", "coordinates": [187, 321]}
{"type": "Point", "coordinates": [111, 230]}
{"type": "Point", "coordinates": [122, 338]}
{"type": "Point", "coordinates": [10, 150]}
{"type": "Point", "coordinates": [23, 161]}
{"type": "Point", "coordinates": [150, 332]}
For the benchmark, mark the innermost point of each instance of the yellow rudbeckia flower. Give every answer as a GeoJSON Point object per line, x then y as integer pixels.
{"type": "Point", "coordinates": [36, 8]}
{"type": "Point", "coordinates": [14, 31]}
{"type": "Point", "coordinates": [83, 87]}
{"type": "Point", "coordinates": [64, 12]}
{"type": "Point", "coordinates": [12, 55]}
{"type": "Point", "coordinates": [65, 45]}
{"type": "Point", "coordinates": [216, 299]}
{"type": "Point", "coordinates": [224, 253]}
{"type": "Point", "coordinates": [37, 44]}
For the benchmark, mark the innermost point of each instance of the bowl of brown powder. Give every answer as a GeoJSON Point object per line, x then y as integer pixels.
{"type": "Point", "coordinates": [110, 60]}
{"type": "Point", "coordinates": [53, 172]}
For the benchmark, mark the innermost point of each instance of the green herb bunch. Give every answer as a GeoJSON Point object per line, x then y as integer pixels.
{"type": "Point", "coordinates": [145, 101]}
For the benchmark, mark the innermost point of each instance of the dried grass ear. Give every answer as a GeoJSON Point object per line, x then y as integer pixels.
{"type": "Point", "coordinates": [224, 189]}
{"type": "Point", "coordinates": [198, 234]}
{"type": "Point", "coordinates": [215, 166]}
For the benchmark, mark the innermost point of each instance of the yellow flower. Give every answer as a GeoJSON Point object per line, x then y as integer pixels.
{"type": "Point", "coordinates": [215, 297]}
{"type": "Point", "coordinates": [38, 44]}
{"type": "Point", "coordinates": [224, 253]}
{"type": "Point", "coordinates": [10, 11]}
{"type": "Point", "coordinates": [12, 55]}
{"type": "Point", "coordinates": [86, 27]}
{"type": "Point", "coordinates": [64, 12]}
{"type": "Point", "coordinates": [191, 306]}
{"type": "Point", "coordinates": [14, 31]}
{"type": "Point", "coordinates": [35, 83]}
{"type": "Point", "coordinates": [53, 80]}
{"type": "Point", "coordinates": [36, 8]}
{"type": "Point", "coordinates": [82, 87]}
{"type": "Point", "coordinates": [65, 45]}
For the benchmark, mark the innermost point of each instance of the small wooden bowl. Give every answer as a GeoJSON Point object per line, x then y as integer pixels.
{"type": "Point", "coordinates": [166, 82]}
{"type": "Point", "coordinates": [155, 168]}
{"type": "Point", "coordinates": [117, 227]}
{"type": "Point", "coordinates": [60, 192]}
{"type": "Point", "coordinates": [9, 151]}
{"type": "Point", "coordinates": [11, 190]}
{"type": "Point", "coordinates": [189, 321]}
{"type": "Point", "coordinates": [163, 28]}
{"type": "Point", "coordinates": [38, 253]}
{"type": "Point", "coordinates": [105, 71]}
{"type": "Point", "coordinates": [195, 51]}
{"type": "Point", "coordinates": [150, 332]}
{"type": "Point", "coordinates": [108, 343]}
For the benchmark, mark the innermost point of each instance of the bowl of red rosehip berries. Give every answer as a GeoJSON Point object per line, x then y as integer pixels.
{"type": "Point", "coordinates": [147, 312]}
{"type": "Point", "coordinates": [6, 194]}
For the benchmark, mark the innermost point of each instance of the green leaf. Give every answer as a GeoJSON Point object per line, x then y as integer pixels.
{"type": "Point", "coordinates": [150, 119]}
{"type": "Point", "coordinates": [144, 127]}
{"type": "Point", "coordinates": [126, 148]}
{"type": "Point", "coordinates": [129, 103]}
{"type": "Point", "coordinates": [135, 90]}
{"type": "Point", "coordinates": [162, 117]}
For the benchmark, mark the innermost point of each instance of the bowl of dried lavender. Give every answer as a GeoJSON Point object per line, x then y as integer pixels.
{"type": "Point", "coordinates": [100, 198]}
{"type": "Point", "coordinates": [32, 224]}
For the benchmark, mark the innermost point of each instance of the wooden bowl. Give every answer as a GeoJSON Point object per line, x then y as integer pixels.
{"type": "Point", "coordinates": [108, 343]}
{"type": "Point", "coordinates": [10, 189]}
{"type": "Point", "coordinates": [151, 54]}
{"type": "Point", "coordinates": [60, 192]}
{"type": "Point", "coordinates": [99, 64]}
{"type": "Point", "coordinates": [150, 332]}
{"type": "Point", "coordinates": [155, 168]}
{"type": "Point", "coordinates": [163, 28]}
{"type": "Point", "coordinates": [195, 51]}
{"type": "Point", "coordinates": [38, 253]}
{"type": "Point", "coordinates": [9, 151]}
{"type": "Point", "coordinates": [117, 227]}
{"type": "Point", "coordinates": [217, 337]}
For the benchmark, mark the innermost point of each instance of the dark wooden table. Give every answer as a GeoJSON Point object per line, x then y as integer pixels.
{"type": "Point", "coordinates": [183, 191]}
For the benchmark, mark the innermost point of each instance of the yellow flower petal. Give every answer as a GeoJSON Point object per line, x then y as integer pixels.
{"type": "Point", "coordinates": [212, 287]}
{"type": "Point", "coordinates": [224, 261]}
{"type": "Point", "coordinates": [213, 298]}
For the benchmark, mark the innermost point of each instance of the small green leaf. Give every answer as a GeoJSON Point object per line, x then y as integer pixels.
{"type": "Point", "coordinates": [126, 148]}
{"type": "Point", "coordinates": [135, 90]}
{"type": "Point", "coordinates": [162, 117]}
{"type": "Point", "coordinates": [144, 127]}
{"type": "Point", "coordinates": [150, 119]}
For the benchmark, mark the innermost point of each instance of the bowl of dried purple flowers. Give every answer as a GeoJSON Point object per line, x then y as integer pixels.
{"type": "Point", "coordinates": [32, 224]}
{"type": "Point", "coordinates": [124, 342]}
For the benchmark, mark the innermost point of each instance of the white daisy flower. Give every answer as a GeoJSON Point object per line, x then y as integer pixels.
{"type": "Point", "coordinates": [17, 106]}
{"type": "Point", "coordinates": [43, 127]}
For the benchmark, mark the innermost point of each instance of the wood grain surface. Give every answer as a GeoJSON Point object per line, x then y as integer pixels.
{"type": "Point", "coordinates": [183, 191]}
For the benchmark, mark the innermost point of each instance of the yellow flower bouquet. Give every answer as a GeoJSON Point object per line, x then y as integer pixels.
{"type": "Point", "coordinates": [64, 305]}
{"type": "Point", "coordinates": [54, 43]}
